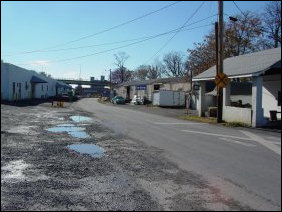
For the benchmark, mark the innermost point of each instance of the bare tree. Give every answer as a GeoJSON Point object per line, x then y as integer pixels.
{"type": "Point", "coordinates": [272, 23]}
{"type": "Point", "coordinates": [202, 56]}
{"type": "Point", "coordinates": [121, 58]}
{"type": "Point", "coordinates": [241, 37]}
{"type": "Point", "coordinates": [154, 72]}
{"type": "Point", "coordinates": [117, 75]}
{"type": "Point", "coordinates": [141, 72]}
{"type": "Point", "coordinates": [174, 64]}
{"type": "Point", "coordinates": [144, 72]}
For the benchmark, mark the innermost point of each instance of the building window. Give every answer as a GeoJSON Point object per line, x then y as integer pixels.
{"type": "Point", "coordinates": [279, 98]}
{"type": "Point", "coordinates": [14, 87]}
{"type": "Point", "coordinates": [47, 87]}
{"type": "Point", "coordinates": [26, 85]}
{"type": "Point", "coordinates": [42, 87]}
{"type": "Point", "coordinates": [156, 87]}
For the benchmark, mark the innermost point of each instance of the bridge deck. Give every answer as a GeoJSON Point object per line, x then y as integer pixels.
{"type": "Point", "coordinates": [85, 82]}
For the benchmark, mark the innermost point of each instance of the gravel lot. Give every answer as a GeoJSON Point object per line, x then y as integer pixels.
{"type": "Point", "coordinates": [39, 172]}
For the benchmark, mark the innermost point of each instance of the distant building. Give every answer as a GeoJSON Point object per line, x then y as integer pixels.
{"type": "Point", "coordinates": [146, 88]}
{"type": "Point", "coordinates": [19, 84]}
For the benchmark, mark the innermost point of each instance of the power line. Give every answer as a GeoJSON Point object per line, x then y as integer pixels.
{"type": "Point", "coordinates": [108, 50]}
{"type": "Point", "coordinates": [111, 43]}
{"type": "Point", "coordinates": [239, 8]}
{"type": "Point", "coordinates": [111, 28]}
{"type": "Point", "coordinates": [149, 38]}
{"type": "Point", "coordinates": [176, 32]}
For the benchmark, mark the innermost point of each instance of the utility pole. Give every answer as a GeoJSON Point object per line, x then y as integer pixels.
{"type": "Point", "coordinates": [216, 65]}
{"type": "Point", "coordinates": [189, 96]}
{"type": "Point", "coordinates": [220, 60]}
{"type": "Point", "coordinates": [216, 46]}
{"type": "Point", "coordinates": [111, 79]}
{"type": "Point", "coordinates": [111, 86]}
{"type": "Point", "coordinates": [122, 74]}
{"type": "Point", "coordinates": [79, 71]}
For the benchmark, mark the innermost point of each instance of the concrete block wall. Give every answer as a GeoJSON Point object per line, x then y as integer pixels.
{"type": "Point", "coordinates": [237, 114]}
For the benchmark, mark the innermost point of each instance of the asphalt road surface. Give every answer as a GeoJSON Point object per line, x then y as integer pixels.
{"type": "Point", "coordinates": [240, 164]}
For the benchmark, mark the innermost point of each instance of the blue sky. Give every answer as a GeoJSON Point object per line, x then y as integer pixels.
{"type": "Point", "coordinates": [27, 26]}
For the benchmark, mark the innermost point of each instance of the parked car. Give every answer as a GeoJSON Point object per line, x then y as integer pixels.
{"type": "Point", "coordinates": [118, 100]}
{"type": "Point", "coordinates": [137, 100]}
{"type": "Point", "coordinates": [112, 99]}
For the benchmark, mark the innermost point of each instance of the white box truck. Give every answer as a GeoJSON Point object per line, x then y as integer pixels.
{"type": "Point", "coordinates": [169, 98]}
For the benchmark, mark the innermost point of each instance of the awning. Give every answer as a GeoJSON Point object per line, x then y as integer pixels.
{"type": "Point", "coordinates": [35, 79]}
{"type": "Point", "coordinates": [212, 93]}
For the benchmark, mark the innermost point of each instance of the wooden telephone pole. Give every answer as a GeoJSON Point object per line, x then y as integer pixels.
{"type": "Point", "coordinates": [111, 85]}
{"type": "Point", "coordinates": [110, 79]}
{"type": "Point", "coordinates": [219, 58]}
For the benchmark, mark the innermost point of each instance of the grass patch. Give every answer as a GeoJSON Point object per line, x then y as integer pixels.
{"type": "Point", "coordinates": [102, 102]}
{"type": "Point", "coordinates": [235, 124]}
{"type": "Point", "coordinates": [210, 120]}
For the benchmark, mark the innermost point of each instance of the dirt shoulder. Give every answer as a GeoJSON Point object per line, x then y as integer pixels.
{"type": "Point", "coordinates": [39, 172]}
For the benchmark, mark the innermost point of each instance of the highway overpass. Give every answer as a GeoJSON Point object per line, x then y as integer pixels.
{"type": "Point", "coordinates": [85, 82]}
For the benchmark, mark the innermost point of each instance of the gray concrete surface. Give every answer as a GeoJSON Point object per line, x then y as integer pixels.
{"type": "Point", "coordinates": [151, 162]}
{"type": "Point", "coordinates": [244, 165]}
{"type": "Point", "coordinates": [163, 111]}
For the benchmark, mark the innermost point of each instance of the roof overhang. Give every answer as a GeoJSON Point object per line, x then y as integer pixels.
{"type": "Point", "coordinates": [212, 93]}
{"type": "Point", "coordinates": [230, 77]}
{"type": "Point", "coordinates": [255, 74]}
{"type": "Point", "coordinates": [35, 79]}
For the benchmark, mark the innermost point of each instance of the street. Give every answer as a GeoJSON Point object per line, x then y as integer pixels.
{"type": "Point", "coordinates": [141, 106]}
{"type": "Point", "coordinates": [150, 162]}
{"type": "Point", "coordinates": [243, 164]}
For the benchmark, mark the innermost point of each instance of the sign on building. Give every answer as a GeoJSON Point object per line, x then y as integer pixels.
{"type": "Point", "coordinates": [141, 87]}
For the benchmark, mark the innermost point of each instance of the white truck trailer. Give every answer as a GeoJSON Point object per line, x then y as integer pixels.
{"type": "Point", "coordinates": [169, 98]}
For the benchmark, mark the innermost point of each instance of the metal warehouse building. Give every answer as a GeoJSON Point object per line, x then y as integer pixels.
{"type": "Point", "coordinates": [20, 84]}
{"type": "Point", "coordinates": [146, 88]}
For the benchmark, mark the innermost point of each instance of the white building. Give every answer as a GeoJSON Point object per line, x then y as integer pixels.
{"type": "Point", "coordinates": [146, 88]}
{"type": "Point", "coordinates": [19, 84]}
{"type": "Point", "coordinates": [263, 70]}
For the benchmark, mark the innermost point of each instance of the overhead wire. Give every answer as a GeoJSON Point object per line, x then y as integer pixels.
{"type": "Point", "coordinates": [176, 32]}
{"type": "Point", "coordinates": [112, 43]}
{"type": "Point", "coordinates": [239, 9]}
{"type": "Point", "coordinates": [109, 29]}
{"type": "Point", "coordinates": [108, 50]}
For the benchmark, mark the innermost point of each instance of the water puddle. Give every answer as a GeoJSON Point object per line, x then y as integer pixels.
{"type": "Point", "coordinates": [77, 132]}
{"type": "Point", "coordinates": [89, 149]}
{"type": "Point", "coordinates": [65, 125]}
{"type": "Point", "coordinates": [80, 118]}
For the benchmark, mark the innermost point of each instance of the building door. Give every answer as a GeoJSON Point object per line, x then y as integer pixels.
{"type": "Point", "coordinates": [20, 90]}
{"type": "Point", "coordinates": [32, 91]}
{"type": "Point", "coordinates": [128, 92]}
{"type": "Point", "coordinates": [14, 91]}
